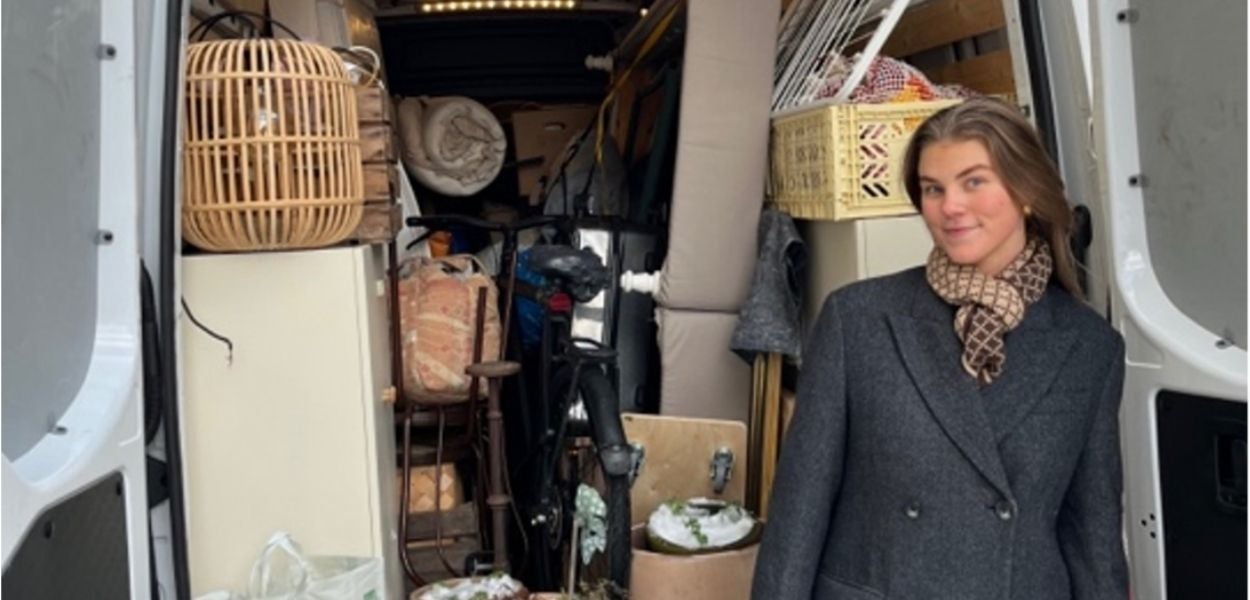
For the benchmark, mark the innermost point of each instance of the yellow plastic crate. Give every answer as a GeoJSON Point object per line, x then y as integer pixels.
{"type": "Point", "coordinates": [843, 161]}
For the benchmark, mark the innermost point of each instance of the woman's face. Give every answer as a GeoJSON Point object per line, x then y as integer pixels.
{"type": "Point", "coordinates": [966, 206]}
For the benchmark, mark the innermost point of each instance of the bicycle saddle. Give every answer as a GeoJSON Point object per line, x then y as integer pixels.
{"type": "Point", "coordinates": [578, 272]}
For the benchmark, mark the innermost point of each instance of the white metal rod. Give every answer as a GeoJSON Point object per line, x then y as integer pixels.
{"type": "Point", "coordinates": [795, 64]}
{"type": "Point", "coordinates": [829, 49]}
{"type": "Point", "coordinates": [826, 20]}
{"type": "Point", "coordinates": [871, 50]}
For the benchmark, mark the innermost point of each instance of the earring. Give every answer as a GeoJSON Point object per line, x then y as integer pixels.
{"type": "Point", "coordinates": [1028, 210]}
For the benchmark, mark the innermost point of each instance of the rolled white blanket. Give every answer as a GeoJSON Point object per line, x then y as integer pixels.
{"type": "Point", "coordinates": [452, 145]}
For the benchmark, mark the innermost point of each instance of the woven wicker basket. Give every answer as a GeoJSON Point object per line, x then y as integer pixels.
{"type": "Point", "coordinates": [842, 161]}
{"type": "Point", "coordinates": [272, 154]}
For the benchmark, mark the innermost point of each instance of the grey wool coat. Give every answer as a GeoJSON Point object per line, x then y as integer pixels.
{"type": "Point", "coordinates": [899, 478]}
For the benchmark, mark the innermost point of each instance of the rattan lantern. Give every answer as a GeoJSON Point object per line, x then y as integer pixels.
{"type": "Point", "coordinates": [272, 153]}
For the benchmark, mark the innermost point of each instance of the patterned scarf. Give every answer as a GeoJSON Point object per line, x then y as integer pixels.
{"type": "Point", "coordinates": [989, 307]}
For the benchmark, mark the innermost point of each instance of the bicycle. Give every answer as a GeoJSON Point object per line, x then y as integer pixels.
{"type": "Point", "coordinates": [571, 369]}
{"type": "Point", "coordinates": [579, 375]}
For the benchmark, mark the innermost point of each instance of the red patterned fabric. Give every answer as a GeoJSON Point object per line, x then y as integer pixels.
{"type": "Point", "coordinates": [437, 314]}
{"type": "Point", "coordinates": [887, 80]}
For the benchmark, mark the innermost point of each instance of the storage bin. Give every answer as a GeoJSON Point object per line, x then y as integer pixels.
{"type": "Point", "coordinates": [272, 154]}
{"type": "Point", "coordinates": [843, 161]}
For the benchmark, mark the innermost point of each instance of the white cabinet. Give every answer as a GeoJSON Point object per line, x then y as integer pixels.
{"type": "Point", "coordinates": [289, 430]}
{"type": "Point", "coordinates": [840, 252]}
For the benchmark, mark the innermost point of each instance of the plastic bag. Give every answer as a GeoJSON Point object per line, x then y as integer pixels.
{"type": "Point", "coordinates": [283, 572]}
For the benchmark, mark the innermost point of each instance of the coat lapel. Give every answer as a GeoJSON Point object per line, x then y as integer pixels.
{"type": "Point", "coordinates": [930, 351]}
{"type": "Point", "coordinates": [1035, 353]}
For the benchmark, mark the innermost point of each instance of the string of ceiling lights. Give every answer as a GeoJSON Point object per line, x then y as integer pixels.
{"type": "Point", "coordinates": [471, 5]}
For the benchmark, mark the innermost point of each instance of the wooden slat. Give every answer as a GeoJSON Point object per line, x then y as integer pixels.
{"type": "Point", "coordinates": [381, 182]}
{"type": "Point", "coordinates": [943, 22]}
{"type": "Point", "coordinates": [377, 143]}
{"type": "Point", "coordinates": [425, 453]}
{"type": "Point", "coordinates": [425, 558]}
{"type": "Point", "coordinates": [755, 435]}
{"type": "Point", "coordinates": [787, 411]}
{"type": "Point", "coordinates": [373, 105]}
{"type": "Point", "coordinates": [771, 430]}
{"type": "Point", "coordinates": [989, 73]}
{"type": "Point", "coordinates": [460, 521]}
{"type": "Point", "coordinates": [379, 223]}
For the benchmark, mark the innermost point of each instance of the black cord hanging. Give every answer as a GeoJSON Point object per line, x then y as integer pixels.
{"type": "Point", "coordinates": [213, 334]}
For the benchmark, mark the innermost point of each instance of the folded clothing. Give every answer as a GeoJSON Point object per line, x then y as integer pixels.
{"type": "Point", "coordinates": [770, 320]}
{"type": "Point", "coordinates": [452, 145]}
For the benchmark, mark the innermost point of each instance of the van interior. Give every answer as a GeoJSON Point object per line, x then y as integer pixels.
{"type": "Point", "coordinates": [663, 148]}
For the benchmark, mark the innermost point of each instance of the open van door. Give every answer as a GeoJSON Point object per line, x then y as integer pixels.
{"type": "Point", "coordinates": [74, 503]}
{"type": "Point", "coordinates": [1169, 91]}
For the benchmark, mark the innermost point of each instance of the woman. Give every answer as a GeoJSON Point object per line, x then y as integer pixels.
{"type": "Point", "coordinates": [956, 433]}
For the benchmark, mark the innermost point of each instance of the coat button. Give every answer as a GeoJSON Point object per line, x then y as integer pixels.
{"type": "Point", "coordinates": [1003, 510]}
{"type": "Point", "coordinates": [912, 511]}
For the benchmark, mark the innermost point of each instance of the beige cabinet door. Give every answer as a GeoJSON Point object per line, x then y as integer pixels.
{"type": "Point", "coordinates": [286, 431]}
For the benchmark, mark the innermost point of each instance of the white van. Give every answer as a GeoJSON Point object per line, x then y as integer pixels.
{"type": "Point", "coordinates": [1143, 101]}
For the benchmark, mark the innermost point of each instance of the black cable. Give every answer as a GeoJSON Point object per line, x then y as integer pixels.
{"type": "Point", "coordinates": [213, 334]}
{"type": "Point", "coordinates": [206, 24]}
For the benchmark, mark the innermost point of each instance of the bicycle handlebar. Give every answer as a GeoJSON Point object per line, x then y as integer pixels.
{"type": "Point", "coordinates": [442, 221]}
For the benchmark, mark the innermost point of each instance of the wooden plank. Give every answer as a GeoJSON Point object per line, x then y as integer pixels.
{"type": "Point", "coordinates": [989, 73]}
{"type": "Point", "coordinates": [755, 433]}
{"type": "Point", "coordinates": [379, 224]}
{"type": "Point", "coordinates": [381, 182]}
{"type": "Point", "coordinates": [771, 430]}
{"type": "Point", "coordinates": [942, 22]}
{"type": "Point", "coordinates": [787, 411]}
{"type": "Point", "coordinates": [460, 521]}
{"type": "Point", "coordinates": [425, 558]}
{"type": "Point", "coordinates": [372, 105]}
{"type": "Point", "coordinates": [377, 143]}
{"type": "Point", "coordinates": [679, 452]}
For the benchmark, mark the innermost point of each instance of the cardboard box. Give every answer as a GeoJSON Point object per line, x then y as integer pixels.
{"type": "Point", "coordinates": [421, 491]}
{"type": "Point", "coordinates": [544, 134]}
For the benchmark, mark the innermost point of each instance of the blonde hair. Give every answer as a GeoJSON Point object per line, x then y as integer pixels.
{"type": "Point", "coordinates": [1027, 171]}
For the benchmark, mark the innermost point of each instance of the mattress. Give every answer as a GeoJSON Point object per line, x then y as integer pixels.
{"type": "Point", "coordinates": [701, 376]}
{"type": "Point", "coordinates": [722, 154]}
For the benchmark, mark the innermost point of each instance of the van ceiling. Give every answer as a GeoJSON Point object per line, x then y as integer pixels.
{"type": "Point", "coordinates": [490, 57]}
